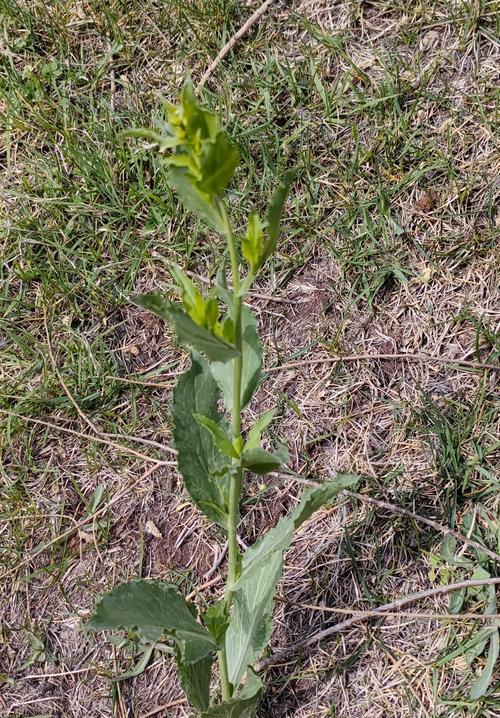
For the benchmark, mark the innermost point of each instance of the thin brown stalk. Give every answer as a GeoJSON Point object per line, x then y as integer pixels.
{"type": "Point", "coordinates": [399, 355]}
{"type": "Point", "coordinates": [423, 520]}
{"type": "Point", "coordinates": [255, 17]}
{"type": "Point", "coordinates": [98, 439]}
{"type": "Point", "coordinates": [291, 650]}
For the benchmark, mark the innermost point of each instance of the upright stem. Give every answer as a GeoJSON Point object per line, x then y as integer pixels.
{"type": "Point", "coordinates": [237, 477]}
{"type": "Point", "coordinates": [237, 470]}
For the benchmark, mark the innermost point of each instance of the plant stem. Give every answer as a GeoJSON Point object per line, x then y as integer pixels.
{"type": "Point", "coordinates": [237, 470]}
{"type": "Point", "coordinates": [237, 477]}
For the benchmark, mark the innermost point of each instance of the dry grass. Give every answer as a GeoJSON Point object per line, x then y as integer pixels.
{"type": "Point", "coordinates": [392, 247]}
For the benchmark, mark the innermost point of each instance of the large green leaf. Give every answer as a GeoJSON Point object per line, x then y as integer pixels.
{"type": "Point", "coordinates": [153, 609]}
{"type": "Point", "coordinates": [195, 199]}
{"type": "Point", "coordinates": [244, 703]}
{"type": "Point", "coordinates": [195, 680]}
{"type": "Point", "coordinates": [273, 215]}
{"type": "Point", "coordinates": [250, 626]}
{"type": "Point", "coordinates": [252, 364]}
{"type": "Point", "coordinates": [199, 461]}
{"type": "Point", "coordinates": [188, 331]}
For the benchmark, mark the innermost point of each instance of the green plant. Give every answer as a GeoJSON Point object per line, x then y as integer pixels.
{"type": "Point", "coordinates": [213, 455]}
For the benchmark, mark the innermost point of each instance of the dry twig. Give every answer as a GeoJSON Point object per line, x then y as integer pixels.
{"type": "Point", "coordinates": [233, 40]}
{"type": "Point", "coordinates": [452, 363]}
{"type": "Point", "coordinates": [379, 611]}
{"type": "Point", "coordinates": [429, 522]}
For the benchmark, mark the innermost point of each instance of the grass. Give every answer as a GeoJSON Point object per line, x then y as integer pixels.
{"type": "Point", "coordinates": [389, 109]}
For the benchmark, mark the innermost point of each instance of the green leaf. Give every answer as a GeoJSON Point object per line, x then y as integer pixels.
{"type": "Point", "coordinates": [187, 330]}
{"type": "Point", "coordinates": [251, 244]}
{"type": "Point", "coordinates": [243, 704]}
{"type": "Point", "coordinates": [255, 433]}
{"type": "Point", "coordinates": [252, 364]}
{"type": "Point", "coordinates": [201, 464]}
{"type": "Point", "coordinates": [195, 680]}
{"type": "Point", "coordinates": [273, 215]}
{"type": "Point", "coordinates": [194, 199]}
{"type": "Point", "coordinates": [154, 609]}
{"type": "Point", "coordinates": [448, 546]}
{"type": "Point", "coordinates": [221, 439]}
{"type": "Point", "coordinates": [218, 161]}
{"type": "Point", "coordinates": [139, 667]}
{"type": "Point", "coordinates": [198, 123]}
{"type": "Point", "coordinates": [250, 627]}
{"type": "Point", "coordinates": [260, 461]}
{"type": "Point", "coordinates": [193, 302]}
{"type": "Point", "coordinates": [216, 620]}
{"type": "Point", "coordinates": [480, 686]}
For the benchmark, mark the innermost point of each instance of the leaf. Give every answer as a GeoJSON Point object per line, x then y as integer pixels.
{"type": "Point", "coordinates": [216, 620]}
{"type": "Point", "coordinates": [195, 680]}
{"type": "Point", "coordinates": [243, 705]}
{"type": "Point", "coordinates": [481, 684]}
{"type": "Point", "coordinates": [260, 461]}
{"type": "Point", "coordinates": [198, 122]}
{"type": "Point", "coordinates": [251, 244]}
{"type": "Point", "coordinates": [273, 215]}
{"type": "Point", "coordinates": [200, 462]}
{"type": "Point", "coordinates": [252, 364]}
{"type": "Point", "coordinates": [250, 626]}
{"type": "Point", "coordinates": [254, 435]}
{"type": "Point", "coordinates": [187, 330]}
{"type": "Point", "coordinates": [218, 161]}
{"type": "Point", "coordinates": [194, 199]}
{"type": "Point", "coordinates": [456, 601]}
{"type": "Point", "coordinates": [448, 546]}
{"type": "Point", "coordinates": [220, 437]}
{"type": "Point", "coordinates": [139, 667]}
{"type": "Point", "coordinates": [154, 609]}
{"type": "Point", "coordinates": [193, 302]}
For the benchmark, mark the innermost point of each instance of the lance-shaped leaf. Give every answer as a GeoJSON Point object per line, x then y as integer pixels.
{"type": "Point", "coordinates": [195, 680]}
{"type": "Point", "coordinates": [188, 331]}
{"type": "Point", "coordinates": [273, 215]}
{"type": "Point", "coordinates": [220, 436]}
{"type": "Point", "coordinates": [243, 704]}
{"type": "Point", "coordinates": [480, 686]}
{"type": "Point", "coordinates": [195, 199]}
{"type": "Point", "coordinates": [260, 461]}
{"type": "Point", "coordinates": [251, 243]}
{"type": "Point", "coordinates": [253, 438]}
{"type": "Point", "coordinates": [218, 161]}
{"type": "Point", "coordinates": [250, 626]}
{"type": "Point", "coordinates": [252, 364]}
{"type": "Point", "coordinates": [216, 620]}
{"type": "Point", "coordinates": [200, 462]}
{"type": "Point", "coordinates": [153, 609]}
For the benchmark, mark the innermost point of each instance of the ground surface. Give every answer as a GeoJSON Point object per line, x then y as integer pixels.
{"type": "Point", "coordinates": [389, 110]}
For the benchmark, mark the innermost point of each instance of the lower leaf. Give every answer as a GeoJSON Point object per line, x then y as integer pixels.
{"type": "Point", "coordinates": [195, 680]}
{"type": "Point", "coordinates": [253, 593]}
{"type": "Point", "coordinates": [154, 609]}
{"type": "Point", "coordinates": [243, 705]}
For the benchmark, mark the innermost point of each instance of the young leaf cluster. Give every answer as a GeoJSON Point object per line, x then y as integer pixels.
{"type": "Point", "coordinates": [213, 452]}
